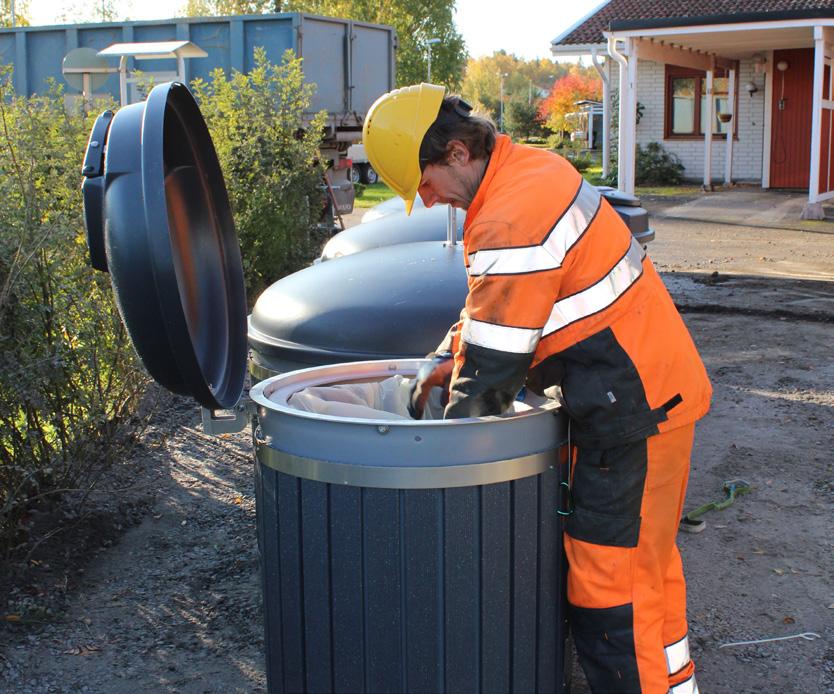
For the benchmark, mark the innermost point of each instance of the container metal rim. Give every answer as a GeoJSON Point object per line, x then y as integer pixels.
{"type": "Point", "coordinates": [332, 374]}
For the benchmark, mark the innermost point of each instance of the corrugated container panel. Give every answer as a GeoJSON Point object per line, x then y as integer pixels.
{"type": "Point", "coordinates": [41, 44]}
{"type": "Point", "coordinates": [7, 49]}
{"type": "Point", "coordinates": [214, 38]}
{"type": "Point", "coordinates": [323, 47]}
{"type": "Point", "coordinates": [275, 35]}
{"type": "Point", "coordinates": [369, 70]}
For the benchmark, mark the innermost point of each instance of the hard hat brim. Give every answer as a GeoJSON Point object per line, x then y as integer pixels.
{"type": "Point", "coordinates": [393, 132]}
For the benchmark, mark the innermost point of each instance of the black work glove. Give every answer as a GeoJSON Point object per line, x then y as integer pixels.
{"type": "Point", "coordinates": [436, 373]}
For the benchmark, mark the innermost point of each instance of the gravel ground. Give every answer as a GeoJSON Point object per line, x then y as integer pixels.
{"type": "Point", "coordinates": [157, 588]}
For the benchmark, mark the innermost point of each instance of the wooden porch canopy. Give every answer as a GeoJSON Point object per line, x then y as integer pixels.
{"type": "Point", "coordinates": [709, 43]}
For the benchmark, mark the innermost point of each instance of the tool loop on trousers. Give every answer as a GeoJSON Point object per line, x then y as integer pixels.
{"type": "Point", "coordinates": [566, 508]}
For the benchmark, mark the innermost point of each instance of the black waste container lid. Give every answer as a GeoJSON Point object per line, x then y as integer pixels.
{"type": "Point", "coordinates": [158, 220]}
{"type": "Point", "coordinates": [391, 302]}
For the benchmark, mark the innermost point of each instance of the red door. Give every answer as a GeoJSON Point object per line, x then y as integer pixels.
{"type": "Point", "coordinates": [790, 131]}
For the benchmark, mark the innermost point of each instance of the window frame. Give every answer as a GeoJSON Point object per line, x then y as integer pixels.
{"type": "Point", "coordinates": [676, 72]}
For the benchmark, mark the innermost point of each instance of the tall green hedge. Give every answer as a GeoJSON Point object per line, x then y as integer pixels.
{"type": "Point", "coordinates": [68, 376]}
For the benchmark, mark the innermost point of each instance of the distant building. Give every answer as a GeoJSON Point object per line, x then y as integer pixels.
{"type": "Point", "coordinates": [761, 71]}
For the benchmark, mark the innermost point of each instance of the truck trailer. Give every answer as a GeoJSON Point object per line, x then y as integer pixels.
{"type": "Point", "coordinates": [350, 62]}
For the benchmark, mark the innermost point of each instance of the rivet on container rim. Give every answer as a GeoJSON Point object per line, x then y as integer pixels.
{"type": "Point", "coordinates": [383, 428]}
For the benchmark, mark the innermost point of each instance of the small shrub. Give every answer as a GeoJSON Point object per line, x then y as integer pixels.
{"type": "Point", "coordinates": [69, 380]}
{"type": "Point", "coordinates": [271, 162]}
{"type": "Point", "coordinates": [582, 163]}
{"type": "Point", "coordinates": [655, 166]}
{"type": "Point", "coordinates": [557, 141]}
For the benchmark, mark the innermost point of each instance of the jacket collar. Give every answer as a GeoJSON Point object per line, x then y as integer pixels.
{"type": "Point", "coordinates": [503, 145]}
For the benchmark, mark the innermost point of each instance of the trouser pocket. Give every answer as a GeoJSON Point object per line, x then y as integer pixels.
{"type": "Point", "coordinates": [607, 494]}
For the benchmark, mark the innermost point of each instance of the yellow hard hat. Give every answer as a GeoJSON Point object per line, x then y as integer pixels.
{"type": "Point", "coordinates": [393, 132]}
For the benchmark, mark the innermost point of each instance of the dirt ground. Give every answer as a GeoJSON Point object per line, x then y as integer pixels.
{"type": "Point", "coordinates": [157, 588]}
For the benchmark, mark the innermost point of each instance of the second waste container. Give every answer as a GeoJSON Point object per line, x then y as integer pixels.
{"type": "Point", "coordinates": [396, 555]}
{"type": "Point", "coordinates": [411, 556]}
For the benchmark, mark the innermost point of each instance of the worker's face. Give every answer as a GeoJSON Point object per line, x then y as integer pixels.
{"type": "Point", "coordinates": [454, 182]}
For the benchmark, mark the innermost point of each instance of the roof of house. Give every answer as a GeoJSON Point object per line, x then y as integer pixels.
{"type": "Point", "coordinates": [638, 14]}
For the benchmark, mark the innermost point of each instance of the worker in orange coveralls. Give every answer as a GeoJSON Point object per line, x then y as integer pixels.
{"type": "Point", "coordinates": [563, 300]}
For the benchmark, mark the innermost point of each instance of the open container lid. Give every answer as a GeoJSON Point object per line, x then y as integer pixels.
{"type": "Point", "coordinates": [158, 220]}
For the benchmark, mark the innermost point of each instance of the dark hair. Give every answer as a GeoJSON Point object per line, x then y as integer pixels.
{"type": "Point", "coordinates": [455, 121]}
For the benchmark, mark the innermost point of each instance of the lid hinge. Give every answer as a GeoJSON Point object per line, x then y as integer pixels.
{"type": "Point", "coordinates": [231, 421]}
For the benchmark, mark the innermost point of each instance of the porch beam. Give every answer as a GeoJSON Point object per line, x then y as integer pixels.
{"type": "Point", "coordinates": [813, 208]}
{"type": "Point", "coordinates": [606, 112]}
{"type": "Point", "coordinates": [627, 60]}
{"type": "Point", "coordinates": [708, 134]}
{"type": "Point", "coordinates": [768, 120]}
{"type": "Point", "coordinates": [660, 52]}
{"type": "Point", "coordinates": [728, 152]}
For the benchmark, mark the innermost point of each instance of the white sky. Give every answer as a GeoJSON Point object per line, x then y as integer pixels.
{"type": "Point", "coordinates": [523, 27]}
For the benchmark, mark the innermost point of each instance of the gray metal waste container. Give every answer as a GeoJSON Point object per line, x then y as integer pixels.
{"type": "Point", "coordinates": [395, 555]}
{"type": "Point", "coordinates": [406, 556]}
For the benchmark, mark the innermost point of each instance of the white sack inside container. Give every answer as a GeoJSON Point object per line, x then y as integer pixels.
{"type": "Point", "coordinates": [386, 399]}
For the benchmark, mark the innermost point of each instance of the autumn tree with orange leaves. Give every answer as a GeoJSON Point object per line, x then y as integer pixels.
{"type": "Point", "coordinates": [580, 83]}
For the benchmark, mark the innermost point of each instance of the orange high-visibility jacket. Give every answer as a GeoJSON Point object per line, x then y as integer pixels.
{"type": "Point", "coordinates": [562, 296]}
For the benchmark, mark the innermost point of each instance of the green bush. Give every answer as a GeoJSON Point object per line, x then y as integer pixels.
{"type": "Point", "coordinates": [68, 376]}
{"type": "Point", "coordinates": [582, 163]}
{"type": "Point", "coordinates": [655, 166]}
{"type": "Point", "coordinates": [557, 141]}
{"type": "Point", "coordinates": [270, 159]}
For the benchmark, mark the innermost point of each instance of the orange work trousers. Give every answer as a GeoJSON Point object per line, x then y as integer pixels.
{"type": "Point", "coordinates": [626, 591]}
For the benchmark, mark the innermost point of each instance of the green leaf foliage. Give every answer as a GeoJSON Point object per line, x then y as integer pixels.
{"type": "Point", "coordinates": [69, 379]}
{"type": "Point", "coordinates": [655, 165]}
{"type": "Point", "coordinates": [269, 155]}
{"type": "Point", "coordinates": [21, 11]}
{"type": "Point", "coordinates": [522, 82]}
{"type": "Point", "coordinates": [522, 119]}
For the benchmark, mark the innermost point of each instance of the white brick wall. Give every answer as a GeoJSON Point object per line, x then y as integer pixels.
{"type": "Point", "coordinates": [747, 149]}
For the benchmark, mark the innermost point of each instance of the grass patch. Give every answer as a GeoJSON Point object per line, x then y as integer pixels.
{"type": "Point", "coordinates": [667, 191]}
{"type": "Point", "coordinates": [373, 195]}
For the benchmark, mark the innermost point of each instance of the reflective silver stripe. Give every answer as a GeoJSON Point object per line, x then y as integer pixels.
{"type": "Point", "coordinates": [574, 222]}
{"type": "Point", "coordinates": [550, 254]}
{"type": "Point", "coordinates": [689, 686]}
{"type": "Point", "coordinates": [677, 655]}
{"type": "Point", "coordinates": [600, 295]}
{"type": "Point", "coordinates": [510, 261]}
{"type": "Point", "coordinates": [502, 337]}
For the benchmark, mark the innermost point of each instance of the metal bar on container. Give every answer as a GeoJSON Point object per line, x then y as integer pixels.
{"type": "Point", "coordinates": [451, 227]}
{"type": "Point", "coordinates": [71, 37]}
{"type": "Point", "coordinates": [348, 81]}
{"type": "Point", "coordinates": [21, 69]}
{"type": "Point", "coordinates": [183, 33]}
{"type": "Point", "coordinates": [236, 45]}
